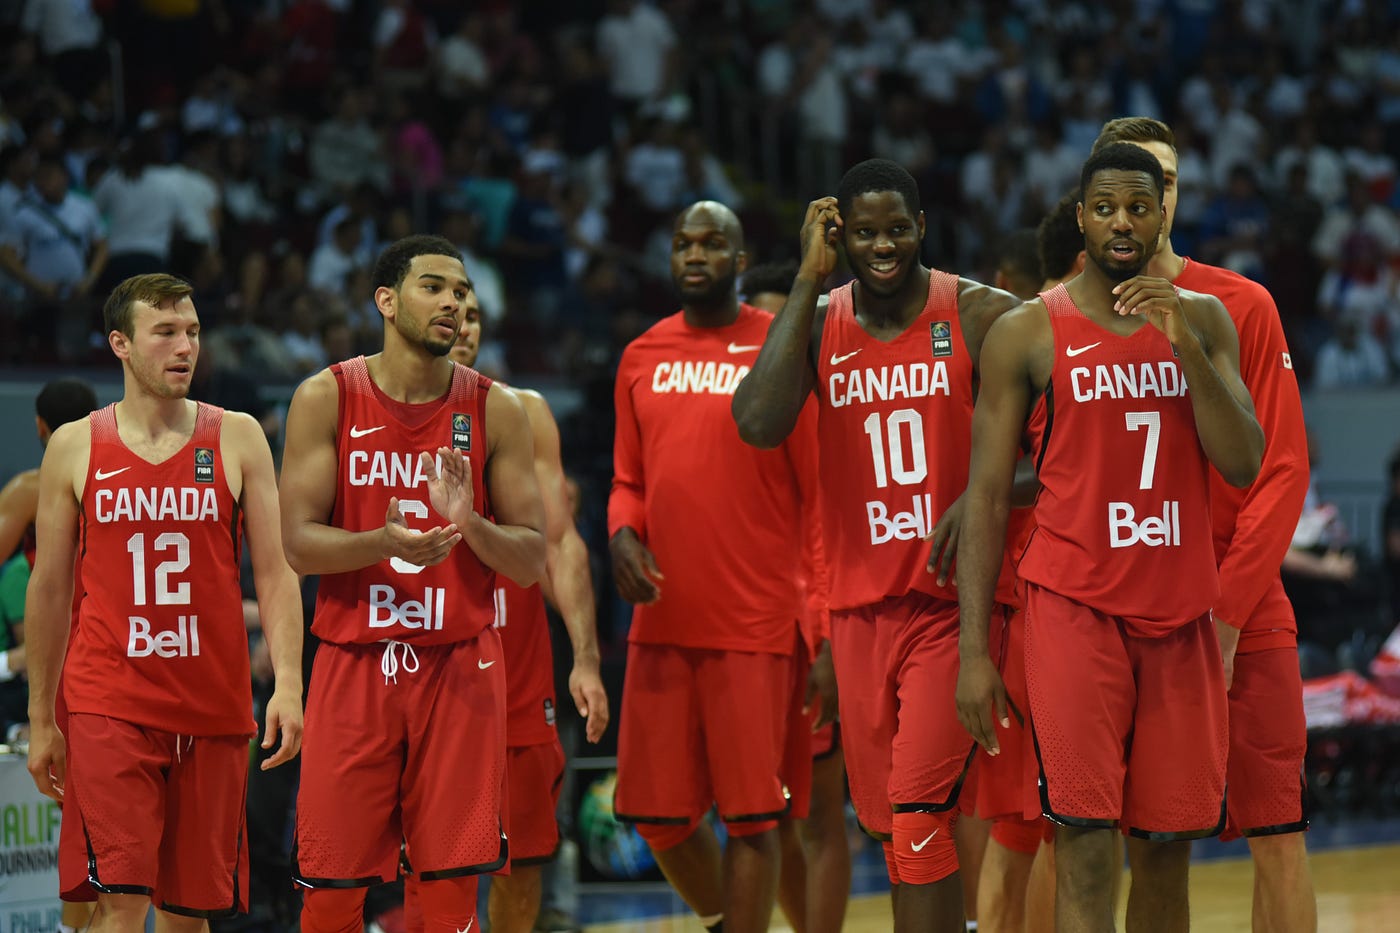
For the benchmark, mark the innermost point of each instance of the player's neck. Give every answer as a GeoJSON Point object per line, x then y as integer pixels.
{"type": "Point", "coordinates": [144, 415]}
{"type": "Point", "coordinates": [1166, 263]}
{"type": "Point", "coordinates": [409, 374]}
{"type": "Point", "coordinates": [892, 314]}
{"type": "Point", "coordinates": [1092, 293]}
{"type": "Point", "coordinates": [720, 315]}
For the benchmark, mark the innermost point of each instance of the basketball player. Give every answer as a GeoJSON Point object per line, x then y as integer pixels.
{"type": "Point", "coordinates": [891, 359]}
{"type": "Point", "coordinates": [1253, 617]}
{"type": "Point", "coordinates": [702, 543]}
{"type": "Point", "coordinates": [156, 680]}
{"type": "Point", "coordinates": [534, 757]}
{"type": "Point", "coordinates": [1123, 673]}
{"type": "Point", "coordinates": [816, 873]}
{"type": "Point", "coordinates": [412, 488]}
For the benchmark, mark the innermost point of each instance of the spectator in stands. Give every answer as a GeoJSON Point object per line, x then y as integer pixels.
{"type": "Point", "coordinates": [346, 150]}
{"type": "Point", "coordinates": [142, 209]}
{"type": "Point", "coordinates": [1351, 358]}
{"type": "Point", "coordinates": [1358, 214]}
{"type": "Point", "coordinates": [331, 263]}
{"type": "Point", "coordinates": [638, 44]}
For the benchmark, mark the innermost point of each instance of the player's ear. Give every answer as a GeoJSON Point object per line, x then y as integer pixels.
{"type": "Point", "coordinates": [741, 261]}
{"type": "Point", "coordinates": [120, 344]}
{"type": "Point", "coordinates": [922, 224]}
{"type": "Point", "coordinates": [386, 300]}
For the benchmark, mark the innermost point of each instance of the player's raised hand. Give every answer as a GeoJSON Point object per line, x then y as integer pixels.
{"type": "Point", "coordinates": [423, 548]}
{"type": "Point", "coordinates": [981, 699]}
{"type": "Point", "coordinates": [48, 759]}
{"type": "Point", "coordinates": [944, 539]}
{"type": "Point", "coordinates": [449, 483]}
{"type": "Point", "coordinates": [590, 699]}
{"type": "Point", "coordinates": [821, 229]}
{"type": "Point", "coordinates": [634, 568]}
{"type": "Point", "coordinates": [1158, 301]}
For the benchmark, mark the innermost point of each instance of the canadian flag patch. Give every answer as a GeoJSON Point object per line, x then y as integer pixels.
{"type": "Point", "coordinates": [1287, 361]}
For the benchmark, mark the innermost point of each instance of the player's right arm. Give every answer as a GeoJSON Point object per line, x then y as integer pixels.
{"type": "Point", "coordinates": [19, 502]}
{"type": "Point", "coordinates": [49, 598]}
{"type": "Point", "coordinates": [769, 399]}
{"type": "Point", "coordinates": [308, 490]}
{"type": "Point", "coordinates": [997, 422]}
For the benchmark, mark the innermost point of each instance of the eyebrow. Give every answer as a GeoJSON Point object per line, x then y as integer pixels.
{"type": "Point", "coordinates": [442, 278]}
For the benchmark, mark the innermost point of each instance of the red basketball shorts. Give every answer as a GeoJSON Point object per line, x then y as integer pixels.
{"type": "Point", "coordinates": [1007, 780]}
{"type": "Point", "coordinates": [418, 759]}
{"type": "Point", "coordinates": [1129, 730]}
{"type": "Point", "coordinates": [1268, 739]}
{"type": "Point", "coordinates": [534, 775]}
{"type": "Point", "coordinates": [897, 665]}
{"type": "Point", "coordinates": [800, 745]}
{"type": "Point", "coordinates": [701, 727]}
{"type": "Point", "coordinates": [158, 814]}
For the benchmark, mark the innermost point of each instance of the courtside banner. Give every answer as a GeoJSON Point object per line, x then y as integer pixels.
{"type": "Point", "coordinates": [28, 852]}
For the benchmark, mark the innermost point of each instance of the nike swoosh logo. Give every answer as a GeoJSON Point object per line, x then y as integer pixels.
{"type": "Point", "coordinates": [919, 846]}
{"type": "Point", "coordinates": [101, 475]}
{"type": "Point", "coordinates": [1075, 351]}
{"type": "Point", "coordinates": [483, 665]}
{"type": "Point", "coordinates": [356, 432]}
{"type": "Point", "coordinates": [744, 348]}
{"type": "Point", "coordinates": [838, 360]}
{"type": "Point", "coordinates": [468, 926]}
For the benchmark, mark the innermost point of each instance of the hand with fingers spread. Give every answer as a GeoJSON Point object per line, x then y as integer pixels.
{"type": "Point", "coordinates": [820, 232]}
{"type": "Point", "coordinates": [944, 538]}
{"type": "Point", "coordinates": [634, 568]}
{"type": "Point", "coordinates": [422, 548]}
{"type": "Point", "coordinates": [450, 491]}
{"type": "Point", "coordinates": [981, 699]}
{"type": "Point", "coordinates": [821, 683]}
{"type": "Point", "coordinates": [1157, 300]}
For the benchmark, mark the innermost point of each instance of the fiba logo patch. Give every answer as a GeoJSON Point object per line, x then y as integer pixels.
{"type": "Point", "coordinates": [462, 431]}
{"type": "Point", "coordinates": [204, 465]}
{"type": "Point", "coordinates": [941, 333]}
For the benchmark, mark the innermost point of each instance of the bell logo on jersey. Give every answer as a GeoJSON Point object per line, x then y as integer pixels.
{"type": "Point", "coordinates": [387, 610]}
{"type": "Point", "coordinates": [462, 431]}
{"type": "Point", "coordinates": [1124, 530]}
{"type": "Point", "coordinates": [902, 526]}
{"type": "Point", "coordinates": [181, 643]}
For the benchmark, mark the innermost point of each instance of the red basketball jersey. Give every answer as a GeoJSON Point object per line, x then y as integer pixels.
{"type": "Point", "coordinates": [524, 626]}
{"type": "Point", "coordinates": [379, 441]}
{"type": "Point", "coordinates": [1123, 516]}
{"type": "Point", "coordinates": [160, 641]}
{"type": "Point", "coordinates": [895, 427]}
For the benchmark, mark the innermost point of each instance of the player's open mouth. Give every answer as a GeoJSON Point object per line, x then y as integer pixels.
{"type": "Point", "coordinates": [1123, 249]}
{"type": "Point", "coordinates": [447, 326]}
{"type": "Point", "coordinates": [179, 369]}
{"type": "Point", "coordinates": [884, 268]}
{"type": "Point", "coordinates": [695, 278]}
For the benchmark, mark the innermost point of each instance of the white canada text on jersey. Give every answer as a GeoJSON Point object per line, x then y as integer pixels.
{"type": "Point", "coordinates": [386, 468]}
{"type": "Point", "coordinates": [697, 377]}
{"type": "Point", "coordinates": [888, 383]}
{"type": "Point", "coordinates": [156, 504]}
{"type": "Point", "coordinates": [1162, 379]}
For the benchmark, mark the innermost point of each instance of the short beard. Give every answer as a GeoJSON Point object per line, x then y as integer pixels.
{"type": "Point", "coordinates": [714, 295]}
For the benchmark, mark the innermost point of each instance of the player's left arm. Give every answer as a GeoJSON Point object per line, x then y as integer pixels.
{"type": "Point", "coordinates": [568, 580]}
{"type": "Point", "coordinates": [279, 596]}
{"type": "Point", "coordinates": [1269, 513]}
{"type": "Point", "coordinates": [19, 503]}
{"type": "Point", "coordinates": [513, 544]}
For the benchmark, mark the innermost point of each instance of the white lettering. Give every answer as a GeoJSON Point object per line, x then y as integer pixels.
{"type": "Point", "coordinates": [901, 526]}
{"type": "Point", "coordinates": [697, 377]}
{"type": "Point", "coordinates": [386, 468]}
{"type": "Point", "coordinates": [888, 383]}
{"type": "Point", "coordinates": [156, 504]}
{"type": "Point", "coordinates": [1161, 379]}
{"type": "Point", "coordinates": [1124, 530]}
{"type": "Point", "coordinates": [183, 642]}
{"type": "Point", "coordinates": [387, 610]}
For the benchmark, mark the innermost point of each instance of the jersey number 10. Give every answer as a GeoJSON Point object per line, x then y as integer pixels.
{"type": "Point", "coordinates": [907, 468]}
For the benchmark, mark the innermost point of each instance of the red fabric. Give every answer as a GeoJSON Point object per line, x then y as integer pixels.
{"type": "Point", "coordinates": [701, 727]}
{"type": "Point", "coordinates": [801, 744]}
{"type": "Point", "coordinates": [1122, 527]}
{"type": "Point", "coordinates": [1128, 728]}
{"type": "Point", "coordinates": [379, 441]}
{"type": "Point", "coordinates": [160, 640]}
{"type": "Point", "coordinates": [1253, 527]}
{"type": "Point", "coordinates": [419, 759]}
{"type": "Point", "coordinates": [524, 627]}
{"type": "Point", "coordinates": [1268, 740]}
{"type": "Point", "coordinates": [534, 774]}
{"type": "Point", "coordinates": [1001, 779]}
{"type": "Point", "coordinates": [897, 664]}
{"type": "Point", "coordinates": [896, 435]}
{"type": "Point", "coordinates": [721, 517]}
{"type": "Point", "coordinates": [159, 811]}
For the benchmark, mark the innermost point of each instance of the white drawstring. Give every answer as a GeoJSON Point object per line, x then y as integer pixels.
{"type": "Point", "coordinates": [188, 745]}
{"type": "Point", "coordinates": [389, 662]}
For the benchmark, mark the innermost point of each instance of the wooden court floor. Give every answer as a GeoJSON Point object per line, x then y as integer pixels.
{"type": "Point", "coordinates": [1358, 891]}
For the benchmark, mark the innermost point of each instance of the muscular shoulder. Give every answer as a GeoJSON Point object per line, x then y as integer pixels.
{"type": "Point", "coordinates": [318, 389]}
{"type": "Point", "coordinates": [979, 306]}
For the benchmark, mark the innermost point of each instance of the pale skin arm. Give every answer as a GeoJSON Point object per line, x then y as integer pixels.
{"type": "Point", "coordinates": [770, 398]}
{"type": "Point", "coordinates": [49, 598]}
{"type": "Point", "coordinates": [19, 503]}
{"type": "Point", "coordinates": [513, 544]}
{"type": "Point", "coordinates": [279, 598]}
{"type": "Point", "coordinates": [1208, 348]}
{"type": "Point", "coordinates": [568, 582]}
{"type": "Point", "coordinates": [313, 545]}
